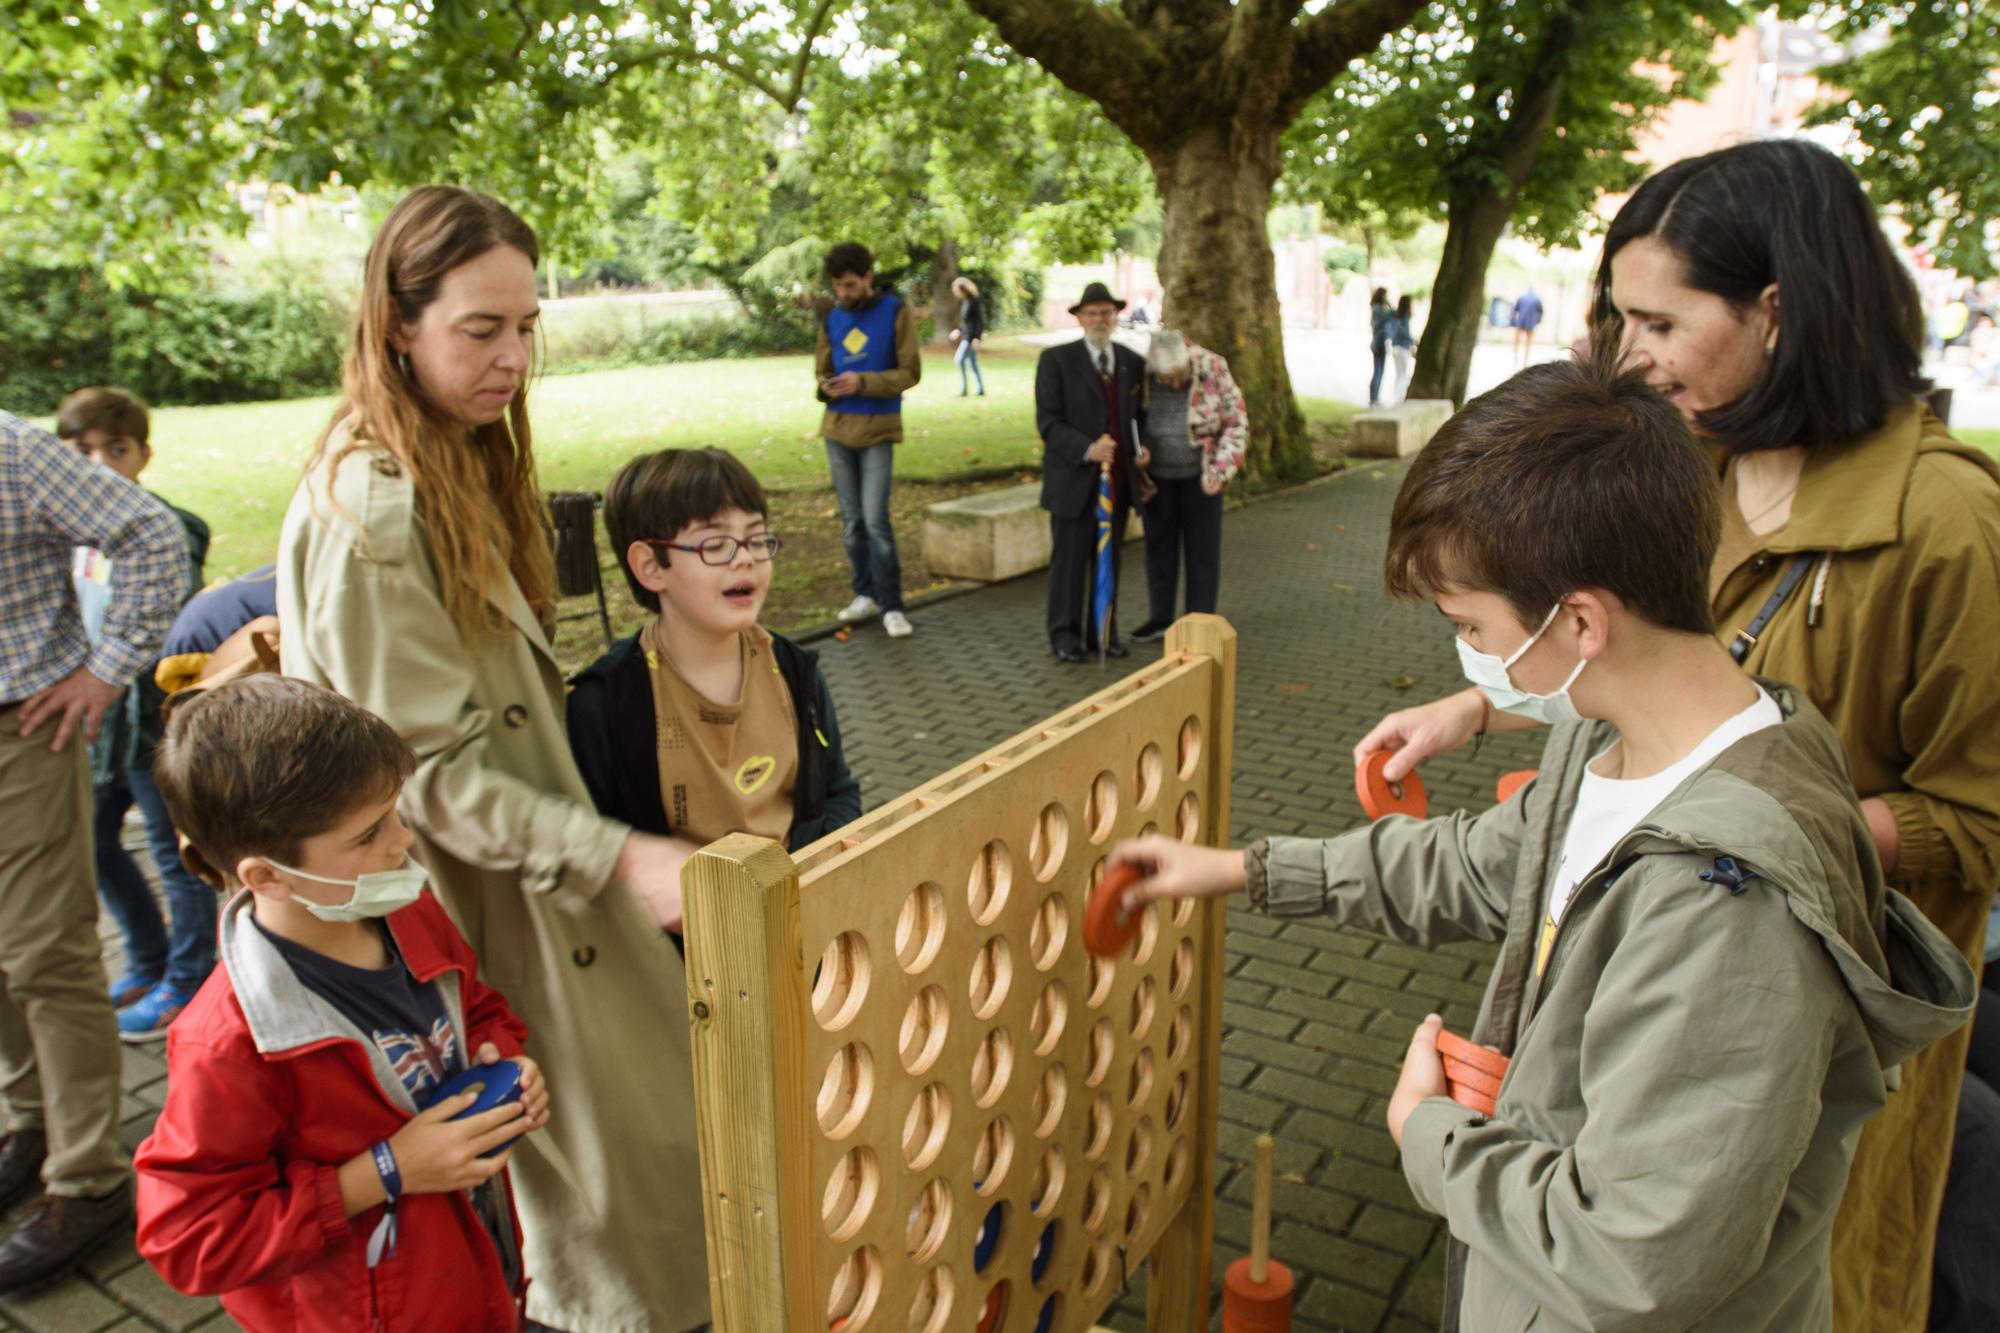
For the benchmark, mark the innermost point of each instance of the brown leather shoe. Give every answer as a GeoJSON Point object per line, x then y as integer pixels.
{"type": "Point", "coordinates": [60, 1234]}
{"type": "Point", "coordinates": [21, 1155]}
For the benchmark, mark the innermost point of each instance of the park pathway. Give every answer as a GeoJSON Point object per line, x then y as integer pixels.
{"type": "Point", "coordinates": [1315, 1017]}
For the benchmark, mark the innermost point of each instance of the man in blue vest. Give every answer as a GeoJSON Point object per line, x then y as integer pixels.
{"type": "Point", "coordinates": [866, 358]}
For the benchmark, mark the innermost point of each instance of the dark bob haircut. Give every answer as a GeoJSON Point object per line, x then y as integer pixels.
{"type": "Point", "coordinates": [1851, 326]}
{"type": "Point", "coordinates": [1569, 475]}
{"type": "Point", "coordinates": [657, 496]}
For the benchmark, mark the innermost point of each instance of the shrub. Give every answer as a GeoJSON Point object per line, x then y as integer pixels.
{"type": "Point", "coordinates": [709, 337]}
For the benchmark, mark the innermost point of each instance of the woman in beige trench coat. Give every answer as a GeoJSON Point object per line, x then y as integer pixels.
{"type": "Point", "coordinates": [415, 578]}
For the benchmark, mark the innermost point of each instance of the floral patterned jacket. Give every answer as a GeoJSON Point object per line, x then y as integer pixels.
{"type": "Point", "coordinates": [1218, 422]}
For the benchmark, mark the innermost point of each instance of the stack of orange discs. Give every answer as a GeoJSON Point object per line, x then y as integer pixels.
{"type": "Point", "coordinates": [1509, 783]}
{"type": "Point", "coordinates": [1107, 925]}
{"type": "Point", "coordinates": [1250, 1306]}
{"type": "Point", "coordinates": [1380, 797]}
{"type": "Point", "coordinates": [1472, 1072]}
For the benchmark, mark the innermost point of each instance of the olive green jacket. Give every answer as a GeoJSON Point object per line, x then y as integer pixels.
{"type": "Point", "coordinates": [1727, 999]}
{"type": "Point", "coordinates": [609, 1193]}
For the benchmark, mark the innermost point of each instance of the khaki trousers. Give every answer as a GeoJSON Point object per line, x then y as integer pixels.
{"type": "Point", "coordinates": [59, 1054]}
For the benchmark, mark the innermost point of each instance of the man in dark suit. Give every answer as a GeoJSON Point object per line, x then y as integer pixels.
{"type": "Point", "coordinates": [1086, 401]}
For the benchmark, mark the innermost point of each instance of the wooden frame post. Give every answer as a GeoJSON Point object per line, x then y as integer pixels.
{"type": "Point", "coordinates": [1178, 1290]}
{"type": "Point", "coordinates": [746, 1005]}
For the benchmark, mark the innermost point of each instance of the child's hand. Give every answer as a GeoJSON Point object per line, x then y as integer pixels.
{"type": "Point", "coordinates": [1422, 1077]}
{"type": "Point", "coordinates": [438, 1155]}
{"type": "Point", "coordinates": [1173, 869]}
{"type": "Point", "coordinates": [534, 1092]}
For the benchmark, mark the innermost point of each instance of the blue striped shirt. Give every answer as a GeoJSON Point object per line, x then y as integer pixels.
{"type": "Point", "coordinates": [53, 499]}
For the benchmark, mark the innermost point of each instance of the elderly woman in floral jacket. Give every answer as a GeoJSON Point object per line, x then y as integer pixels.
{"type": "Point", "coordinates": [1196, 429]}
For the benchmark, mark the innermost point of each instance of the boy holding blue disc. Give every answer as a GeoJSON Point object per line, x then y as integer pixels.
{"type": "Point", "coordinates": [314, 1166]}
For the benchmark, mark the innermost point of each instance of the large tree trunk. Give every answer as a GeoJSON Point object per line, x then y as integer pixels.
{"type": "Point", "coordinates": [1221, 277]}
{"type": "Point", "coordinates": [1458, 296]}
{"type": "Point", "coordinates": [944, 304]}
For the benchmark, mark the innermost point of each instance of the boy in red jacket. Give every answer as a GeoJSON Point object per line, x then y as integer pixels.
{"type": "Point", "coordinates": [292, 1171]}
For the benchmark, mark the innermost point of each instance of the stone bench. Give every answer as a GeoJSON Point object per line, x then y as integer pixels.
{"type": "Point", "coordinates": [1399, 431]}
{"type": "Point", "coordinates": [993, 535]}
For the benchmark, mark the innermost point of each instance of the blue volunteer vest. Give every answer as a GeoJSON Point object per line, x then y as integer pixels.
{"type": "Point", "coordinates": [865, 340]}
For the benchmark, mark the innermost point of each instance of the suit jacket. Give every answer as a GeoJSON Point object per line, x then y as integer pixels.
{"type": "Point", "coordinates": [1069, 414]}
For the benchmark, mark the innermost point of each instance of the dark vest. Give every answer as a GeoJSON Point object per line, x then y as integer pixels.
{"type": "Point", "coordinates": [864, 340]}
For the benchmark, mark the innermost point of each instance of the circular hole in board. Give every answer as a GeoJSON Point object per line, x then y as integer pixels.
{"type": "Point", "coordinates": [1048, 841]}
{"type": "Point", "coordinates": [1049, 932]}
{"type": "Point", "coordinates": [992, 1155]}
{"type": "Point", "coordinates": [1096, 1267]}
{"type": "Point", "coordinates": [842, 981]}
{"type": "Point", "coordinates": [1180, 972]}
{"type": "Point", "coordinates": [992, 1066]}
{"type": "Point", "coordinates": [1096, 1200]}
{"type": "Point", "coordinates": [1189, 748]}
{"type": "Point", "coordinates": [929, 1222]}
{"type": "Point", "coordinates": [992, 977]}
{"type": "Point", "coordinates": [1050, 1173]}
{"type": "Point", "coordinates": [1145, 999]}
{"type": "Point", "coordinates": [1100, 808]}
{"type": "Point", "coordinates": [1045, 1251]}
{"type": "Point", "coordinates": [992, 1228]}
{"type": "Point", "coordinates": [850, 1192]}
{"type": "Point", "coordinates": [927, 1126]}
{"type": "Point", "coordinates": [856, 1287]}
{"type": "Point", "coordinates": [1177, 1164]}
{"type": "Point", "coordinates": [1051, 1015]}
{"type": "Point", "coordinates": [846, 1090]}
{"type": "Point", "coordinates": [1139, 1083]}
{"type": "Point", "coordinates": [992, 876]}
{"type": "Point", "coordinates": [1150, 769]}
{"type": "Point", "coordinates": [1179, 1032]}
{"type": "Point", "coordinates": [1183, 911]}
{"type": "Point", "coordinates": [930, 1308]}
{"type": "Point", "coordinates": [1097, 1134]}
{"type": "Point", "coordinates": [1139, 1148]}
{"type": "Point", "coordinates": [1098, 973]}
{"type": "Point", "coordinates": [1136, 1214]}
{"type": "Point", "coordinates": [1051, 1096]}
{"type": "Point", "coordinates": [1102, 1047]}
{"type": "Point", "coordinates": [1176, 1100]}
{"type": "Point", "coordinates": [1045, 1322]}
{"type": "Point", "coordinates": [993, 1318]}
{"type": "Point", "coordinates": [1148, 938]}
{"type": "Point", "coordinates": [920, 928]}
{"type": "Point", "coordinates": [1187, 818]}
{"type": "Point", "coordinates": [926, 1023]}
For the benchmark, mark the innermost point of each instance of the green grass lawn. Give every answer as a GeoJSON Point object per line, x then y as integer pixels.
{"type": "Point", "coordinates": [236, 465]}
{"type": "Point", "coordinates": [1987, 439]}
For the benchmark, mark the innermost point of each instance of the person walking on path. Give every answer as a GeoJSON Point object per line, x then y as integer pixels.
{"type": "Point", "coordinates": [1402, 346]}
{"type": "Point", "coordinates": [1526, 317]}
{"type": "Point", "coordinates": [1860, 561]}
{"type": "Point", "coordinates": [1380, 317]}
{"type": "Point", "coordinates": [1196, 427]}
{"type": "Point", "coordinates": [971, 328]}
{"type": "Point", "coordinates": [59, 1051]}
{"type": "Point", "coordinates": [866, 357]}
{"type": "Point", "coordinates": [1086, 411]}
{"type": "Point", "coordinates": [415, 576]}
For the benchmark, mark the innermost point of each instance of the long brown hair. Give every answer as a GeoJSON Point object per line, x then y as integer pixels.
{"type": "Point", "coordinates": [482, 508]}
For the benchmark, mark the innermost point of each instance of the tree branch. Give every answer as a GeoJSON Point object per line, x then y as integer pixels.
{"type": "Point", "coordinates": [1334, 38]}
{"type": "Point", "coordinates": [802, 63]}
{"type": "Point", "coordinates": [1090, 50]}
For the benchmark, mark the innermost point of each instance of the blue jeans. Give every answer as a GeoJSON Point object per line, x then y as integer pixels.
{"type": "Point", "coordinates": [967, 357]}
{"type": "Point", "coordinates": [187, 954]}
{"type": "Point", "coordinates": [861, 482]}
{"type": "Point", "coordinates": [1381, 355]}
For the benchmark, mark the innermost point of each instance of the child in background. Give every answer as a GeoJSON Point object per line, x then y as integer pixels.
{"type": "Point", "coordinates": [1704, 986]}
{"type": "Point", "coordinates": [164, 966]}
{"type": "Point", "coordinates": [720, 725]}
{"type": "Point", "coordinates": [296, 1171]}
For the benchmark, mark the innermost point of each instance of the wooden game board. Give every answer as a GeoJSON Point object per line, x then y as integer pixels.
{"type": "Point", "coordinates": [899, 1036]}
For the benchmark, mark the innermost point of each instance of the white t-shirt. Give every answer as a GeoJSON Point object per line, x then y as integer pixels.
{"type": "Point", "coordinates": [1609, 808]}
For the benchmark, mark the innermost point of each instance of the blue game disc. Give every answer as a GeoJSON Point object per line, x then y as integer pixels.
{"type": "Point", "coordinates": [988, 1241]}
{"type": "Point", "coordinates": [498, 1084]}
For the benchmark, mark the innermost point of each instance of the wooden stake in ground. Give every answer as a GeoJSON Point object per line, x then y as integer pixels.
{"type": "Point", "coordinates": [1257, 1291]}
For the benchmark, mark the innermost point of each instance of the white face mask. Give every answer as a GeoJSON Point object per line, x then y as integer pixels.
{"type": "Point", "coordinates": [376, 894]}
{"type": "Point", "coordinates": [1489, 673]}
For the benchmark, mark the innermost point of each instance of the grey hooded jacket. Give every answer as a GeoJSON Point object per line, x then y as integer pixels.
{"type": "Point", "coordinates": [1727, 999]}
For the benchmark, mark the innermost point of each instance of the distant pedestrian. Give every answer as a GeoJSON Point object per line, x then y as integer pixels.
{"type": "Point", "coordinates": [1527, 315]}
{"type": "Point", "coordinates": [1379, 317]}
{"type": "Point", "coordinates": [1196, 428]}
{"type": "Point", "coordinates": [971, 328]}
{"type": "Point", "coordinates": [866, 359]}
{"type": "Point", "coordinates": [1402, 345]}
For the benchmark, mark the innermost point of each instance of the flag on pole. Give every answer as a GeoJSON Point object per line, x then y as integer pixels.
{"type": "Point", "coordinates": [1102, 584]}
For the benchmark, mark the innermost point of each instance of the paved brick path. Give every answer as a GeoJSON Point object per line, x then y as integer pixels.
{"type": "Point", "coordinates": [1315, 1017]}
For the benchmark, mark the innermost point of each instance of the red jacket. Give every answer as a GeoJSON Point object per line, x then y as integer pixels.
{"type": "Point", "coordinates": [268, 1092]}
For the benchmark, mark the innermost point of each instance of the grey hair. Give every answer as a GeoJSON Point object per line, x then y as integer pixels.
{"type": "Point", "coordinates": [1168, 354]}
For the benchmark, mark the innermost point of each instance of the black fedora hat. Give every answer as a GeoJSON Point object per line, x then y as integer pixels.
{"type": "Point", "coordinates": [1093, 294]}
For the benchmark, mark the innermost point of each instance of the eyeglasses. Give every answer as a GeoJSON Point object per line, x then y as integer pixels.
{"type": "Point", "coordinates": [721, 550]}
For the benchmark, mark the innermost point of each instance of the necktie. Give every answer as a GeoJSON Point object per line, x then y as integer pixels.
{"type": "Point", "coordinates": [1104, 364]}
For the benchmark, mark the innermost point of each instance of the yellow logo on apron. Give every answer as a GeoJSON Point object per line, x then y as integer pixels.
{"type": "Point", "coordinates": [855, 341]}
{"type": "Point", "coordinates": [756, 771]}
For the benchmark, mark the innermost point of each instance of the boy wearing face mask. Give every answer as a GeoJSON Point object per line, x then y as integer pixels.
{"type": "Point", "coordinates": [1703, 985]}
{"type": "Point", "coordinates": [302, 1168]}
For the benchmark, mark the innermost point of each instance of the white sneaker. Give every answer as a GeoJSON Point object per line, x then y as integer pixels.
{"type": "Point", "coordinates": [897, 625]}
{"type": "Point", "coordinates": [861, 608]}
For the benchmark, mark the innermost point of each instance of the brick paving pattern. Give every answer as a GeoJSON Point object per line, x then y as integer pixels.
{"type": "Point", "coordinates": [1315, 1017]}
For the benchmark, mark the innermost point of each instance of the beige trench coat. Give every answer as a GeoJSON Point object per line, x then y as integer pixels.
{"type": "Point", "coordinates": [609, 1193]}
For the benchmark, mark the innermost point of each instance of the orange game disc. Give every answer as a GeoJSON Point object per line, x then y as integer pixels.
{"type": "Point", "coordinates": [1380, 797]}
{"type": "Point", "coordinates": [1483, 1058]}
{"type": "Point", "coordinates": [1509, 783]}
{"type": "Point", "coordinates": [1107, 926]}
{"type": "Point", "coordinates": [1469, 1077]}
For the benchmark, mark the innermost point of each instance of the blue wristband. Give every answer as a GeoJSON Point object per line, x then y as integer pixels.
{"type": "Point", "coordinates": [385, 1167]}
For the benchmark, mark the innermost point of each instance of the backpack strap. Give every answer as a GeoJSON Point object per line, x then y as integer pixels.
{"type": "Point", "coordinates": [635, 761]}
{"type": "Point", "coordinates": [800, 668]}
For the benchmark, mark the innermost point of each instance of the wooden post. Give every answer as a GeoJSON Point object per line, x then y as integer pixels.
{"type": "Point", "coordinates": [747, 1004]}
{"type": "Point", "coordinates": [1178, 1291]}
{"type": "Point", "coordinates": [1260, 1212]}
